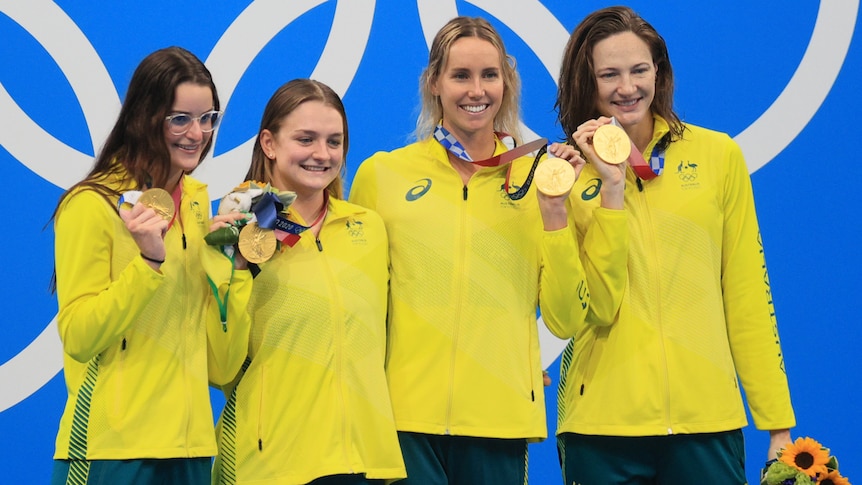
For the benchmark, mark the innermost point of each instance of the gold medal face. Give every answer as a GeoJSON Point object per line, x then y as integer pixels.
{"type": "Point", "coordinates": [160, 201]}
{"type": "Point", "coordinates": [554, 177]}
{"type": "Point", "coordinates": [256, 244]}
{"type": "Point", "coordinates": [612, 144]}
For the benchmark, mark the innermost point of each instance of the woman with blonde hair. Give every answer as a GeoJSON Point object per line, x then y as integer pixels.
{"type": "Point", "coordinates": [475, 250]}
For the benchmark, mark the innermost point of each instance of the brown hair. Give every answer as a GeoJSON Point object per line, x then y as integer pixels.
{"type": "Point", "coordinates": [136, 146]}
{"type": "Point", "coordinates": [576, 95]}
{"type": "Point", "coordinates": [508, 118]}
{"type": "Point", "coordinates": [136, 143]}
{"type": "Point", "coordinates": [286, 99]}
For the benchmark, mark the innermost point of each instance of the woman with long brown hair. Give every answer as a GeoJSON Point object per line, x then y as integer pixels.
{"type": "Point", "coordinates": [143, 334]}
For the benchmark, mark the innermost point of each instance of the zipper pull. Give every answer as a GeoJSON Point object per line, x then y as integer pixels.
{"type": "Point", "coordinates": [184, 240]}
{"type": "Point", "coordinates": [319, 245]}
{"type": "Point", "coordinates": [465, 192]}
{"type": "Point", "coordinates": [640, 184]}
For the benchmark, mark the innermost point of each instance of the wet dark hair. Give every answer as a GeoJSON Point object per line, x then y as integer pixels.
{"type": "Point", "coordinates": [576, 95]}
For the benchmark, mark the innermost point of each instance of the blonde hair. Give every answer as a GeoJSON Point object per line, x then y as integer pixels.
{"type": "Point", "coordinates": [509, 116]}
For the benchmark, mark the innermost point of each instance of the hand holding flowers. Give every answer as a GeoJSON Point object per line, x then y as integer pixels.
{"type": "Point", "coordinates": [244, 199]}
{"type": "Point", "coordinates": [803, 462]}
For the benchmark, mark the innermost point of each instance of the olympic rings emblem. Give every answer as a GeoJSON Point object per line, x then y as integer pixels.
{"type": "Point", "coordinates": [41, 360]}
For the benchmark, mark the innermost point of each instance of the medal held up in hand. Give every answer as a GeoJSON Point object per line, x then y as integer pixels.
{"type": "Point", "coordinates": [256, 244]}
{"type": "Point", "coordinates": [156, 199]}
{"type": "Point", "coordinates": [612, 144]}
{"type": "Point", "coordinates": [555, 177]}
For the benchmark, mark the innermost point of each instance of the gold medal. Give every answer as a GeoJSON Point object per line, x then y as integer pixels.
{"type": "Point", "coordinates": [554, 176]}
{"type": "Point", "coordinates": [256, 244]}
{"type": "Point", "coordinates": [612, 144]}
{"type": "Point", "coordinates": [160, 201]}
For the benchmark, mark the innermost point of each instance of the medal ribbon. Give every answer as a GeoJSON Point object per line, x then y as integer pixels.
{"type": "Point", "coordinates": [644, 170]}
{"type": "Point", "coordinates": [451, 144]}
{"type": "Point", "coordinates": [522, 191]}
{"type": "Point", "coordinates": [267, 210]}
{"type": "Point", "coordinates": [222, 303]}
{"type": "Point", "coordinates": [177, 196]}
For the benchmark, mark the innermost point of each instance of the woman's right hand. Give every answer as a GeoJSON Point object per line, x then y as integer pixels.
{"type": "Point", "coordinates": [231, 219]}
{"type": "Point", "coordinates": [148, 229]}
{"type": "Point", "coordinates": [613, 175]}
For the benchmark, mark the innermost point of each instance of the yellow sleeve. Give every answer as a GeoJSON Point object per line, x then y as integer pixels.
{"type": "Point", "coordinates": [750, 314]}
{"type": "Point", "coordinates": [604, 253]}
{"type": "Point", "coordinates": [94, 308]}
{"type": "Point", "coordinates": [363, 190]}
{"type": "Point", "coordinates": [228, 321]}
{"type": "Point", "coordinates": [564, 297]}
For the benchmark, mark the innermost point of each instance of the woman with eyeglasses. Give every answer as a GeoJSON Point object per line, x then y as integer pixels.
{"type": "Point", "coordinates": [683, 317]}
{"type": "Point", "coordinates": [149, 315]}
{"type": "Point", "coordinates": [474, 250]}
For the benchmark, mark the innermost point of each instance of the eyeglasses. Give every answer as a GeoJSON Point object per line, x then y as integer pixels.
{"type": "Point", "coordinates": [180, 123]}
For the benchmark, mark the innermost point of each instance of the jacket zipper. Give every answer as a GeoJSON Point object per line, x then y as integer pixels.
{"type": "Point", "coordinates": [651, 239]}
{"type": "Point", "coordinates": [457, 322]}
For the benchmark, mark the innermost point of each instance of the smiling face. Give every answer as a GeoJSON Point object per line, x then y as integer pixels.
{"type": "Point", "coordinates": [185, 150]}
{"type": "Point", "coordinates": [308, 149]}
{"type": "Point", "coordinates": [470, 87]}
{"type": "Point", "coordinates": [625, 81]}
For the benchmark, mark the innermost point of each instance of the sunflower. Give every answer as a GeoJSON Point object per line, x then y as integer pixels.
{"type": "Point", "coordinates": [806, 455]}
{"type": "Point", "coordinates": [833, 478]}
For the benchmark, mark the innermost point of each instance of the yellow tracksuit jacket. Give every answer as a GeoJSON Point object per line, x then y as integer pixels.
{"type": "Point", "coordinates": [141, 347]}
{"type": "Point", "coordinates": [682, 307]}
{"type": "Point", "coordinates": [313, 400]}
{"type": "Point", "coordinates": [469, 267]}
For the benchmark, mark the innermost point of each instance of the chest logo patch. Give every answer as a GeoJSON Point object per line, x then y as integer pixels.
{"type": "Point", "coordinates": [687, 171]}
{"type": "Point", "coordinates": [421, 188]}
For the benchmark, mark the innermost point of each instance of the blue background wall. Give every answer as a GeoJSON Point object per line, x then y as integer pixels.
{"type": "Point", "coordinates": [784, 82]}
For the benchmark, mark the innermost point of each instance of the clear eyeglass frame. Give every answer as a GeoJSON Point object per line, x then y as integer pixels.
{"type": "Point", "coordinates": [181, 123]}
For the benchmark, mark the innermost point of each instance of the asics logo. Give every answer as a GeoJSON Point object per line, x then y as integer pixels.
{"type": "Point", "coordinates": [592, 190]}
{"type": "Point", "coordinates": [419, 190]}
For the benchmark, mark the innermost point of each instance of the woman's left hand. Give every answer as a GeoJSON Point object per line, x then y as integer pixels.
{"type": "Point", "coordinates": [553, 207]}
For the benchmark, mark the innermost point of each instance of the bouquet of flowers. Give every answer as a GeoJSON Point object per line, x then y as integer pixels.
{"type": "Point", "coordinates": [263, 204]}
{"type": "Point", "coordinates": [803, 462]}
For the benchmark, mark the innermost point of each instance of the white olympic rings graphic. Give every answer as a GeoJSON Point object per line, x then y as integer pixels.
{"type": "Point", "coordinates": [41, 360]}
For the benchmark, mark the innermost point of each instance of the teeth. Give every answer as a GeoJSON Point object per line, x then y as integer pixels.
{"type": "Point", "coordinates": [314, 168]}
{"type": "Point", "coordinates": [627, 103]}
{"type": "Point", "coordinates": [475, 109]}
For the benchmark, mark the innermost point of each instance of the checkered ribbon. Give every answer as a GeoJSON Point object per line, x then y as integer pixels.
{"type": "Point", "coordinates": [644, 170]}
{"type": "Point", "coordinates": [656, 161]}
{"type": "Point", "coordinates": [449, 142]}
